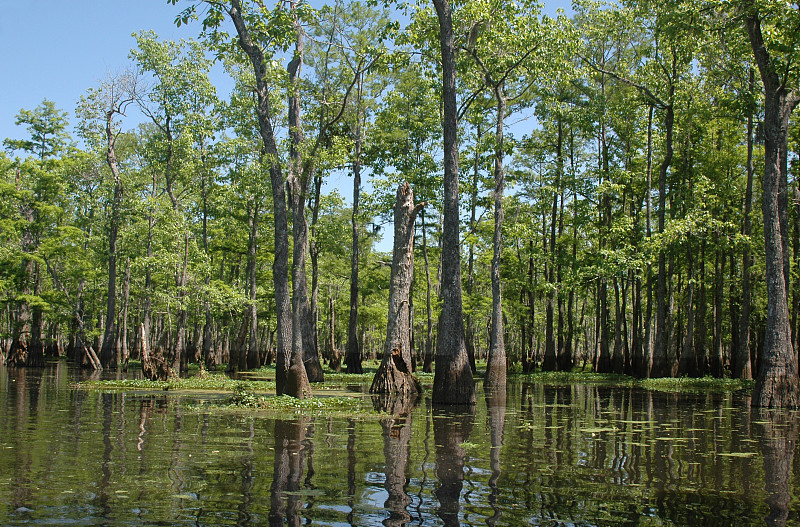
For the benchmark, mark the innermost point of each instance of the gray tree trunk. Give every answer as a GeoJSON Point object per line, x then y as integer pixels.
{"type": "Point", "coordinates": [107, 351]}
{"type": "Point", "coordinates": [352, 356]}
{"type": "Point", "coordinates": [742, 368]}
{"type": "Point", "coordinates": [290, 374]}
{"type": "Point", "coordinates": [253, 352]}
{"type": "Point", "coordinates": [495, 377]}
{"type": "Point", "coordinates": [394, 375]}
{"type": "Point", "coordinates": [453, 383]}
{"type": "Point", "coordinates": [777, 382]}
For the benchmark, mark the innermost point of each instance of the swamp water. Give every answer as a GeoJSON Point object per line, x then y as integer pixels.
{"type": "Point", "coordinates": [570, 455]}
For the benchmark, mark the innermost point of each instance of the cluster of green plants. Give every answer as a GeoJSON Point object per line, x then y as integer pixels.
{"type": "Point", "coordinates": [667, 384]}
{"type": "Point", "coordinates": [207, 382]}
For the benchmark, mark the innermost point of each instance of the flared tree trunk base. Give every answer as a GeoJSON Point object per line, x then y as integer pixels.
{"type": "Point", "coordinates": [393, 378]}
{"type": "Point", "coordinates": [297, 384]}
{"type": "Point", "coordinates": [314, 370]}
{"type": "Point", "coordinates": [25, 355]}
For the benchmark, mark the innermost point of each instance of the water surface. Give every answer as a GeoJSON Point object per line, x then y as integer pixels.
{"type": "Point", "coordinates": [568, 455]}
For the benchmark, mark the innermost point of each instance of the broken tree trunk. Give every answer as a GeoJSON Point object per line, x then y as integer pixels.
{"type": "Point", "coordinates": [154, 366]}
{"type": "Point", "coordinates": [394, 374]}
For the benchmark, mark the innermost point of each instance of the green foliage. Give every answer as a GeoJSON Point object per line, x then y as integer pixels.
{"type": "Point", "coordinates": [47, 127]}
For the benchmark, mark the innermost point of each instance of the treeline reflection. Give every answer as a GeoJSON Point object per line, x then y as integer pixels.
{"type": "Point", "coordinates": [575, 454]}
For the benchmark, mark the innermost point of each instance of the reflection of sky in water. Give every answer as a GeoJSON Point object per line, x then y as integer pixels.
{"type": "Point", "coordinates": [578, 454]}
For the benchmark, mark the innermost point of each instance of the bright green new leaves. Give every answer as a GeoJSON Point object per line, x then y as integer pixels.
{"type": "Point", "coordinates": [47, 128]}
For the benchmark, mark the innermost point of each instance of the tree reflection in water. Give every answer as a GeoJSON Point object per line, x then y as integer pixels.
{"type": "Point", "coordinates": [396, 433]}
{"type": "Point", "coordinates": [290, 453]}
{"type": "Point", "coordinates": [578, 454]}
{"type": "Point", "coordinates": [451, 429]}
{"type": "Point", "coordinates": [778, 440]}
{"type": "Point", "coordinates": [496, 408]}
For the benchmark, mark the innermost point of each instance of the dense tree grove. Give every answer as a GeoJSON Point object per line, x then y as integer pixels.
{"type": "Point", "coordinates": [590, 184]}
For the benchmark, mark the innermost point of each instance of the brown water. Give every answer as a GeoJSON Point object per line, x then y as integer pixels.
{"type": "Point", "coordinates": [571, 455]}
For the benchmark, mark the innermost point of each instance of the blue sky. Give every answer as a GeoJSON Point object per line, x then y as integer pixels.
{"type": "Point", "coordinates": [57, 49]}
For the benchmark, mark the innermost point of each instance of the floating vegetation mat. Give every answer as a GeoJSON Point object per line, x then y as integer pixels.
{"type": "Point", "coordinates": [665, 384]}
{"type": "Point", "coordinates": [198, 383]}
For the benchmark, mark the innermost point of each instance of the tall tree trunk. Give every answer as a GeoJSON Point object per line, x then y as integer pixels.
{"type": "Point", "coordinates": [688, 360]}
{"type": "Point", "coordinates": [253, 351]}
{"type": "Point", "coordinates": [618, 356]}
{"type": "Point", "coordinates": [742, 368]}
{"type": "Point", "coordinates": [701, 329]}
{"type": "Point", "coordinates": [290, 374]}
{"type": "Point", "coordinates": [314, 251]}
{"type": "Point", "coordinates": [568, 360]}
{"type": "Point", "coordinates": [564, 356]}
{"type": "Point", "coordinates": [603, 364]}
{"type": "Point", "coordinates": [147, 322]}
{"type": "Point", "coordinates": [126, 289]}
{"type": "Point", "coordinates": [777, 382]}
{"type": "Point", "coordinates": [453, 382]}
{"type": "Point", "coordinates": [297, 180]}
{"type": "Point", "coordinates": [550, 351]}
{"type": "Point", "coordinates": [107, 351]}
{"type": "Point", "coordinates": [427, 359]}
{"type": "Point", "coordinates": [335, 360]}
{"type": "Point", "coordinates": [179, 358]}
{"type": "Point", "coordinates": [647, 365]}
{"type": "Point", "coordinates": [473, 204]}
{"type": "Point", "coordinates": [717, 366]}
{"type": "Point", "coordinates": [353, 354]}
{"type": "Point", "coordinates": [209, 323]}
{"type": "Point", "coordinates": [661, 365]}
{"type": "Point", "coordinates": [495, 378]}
{"type": "Point", "coordinates": [394, 375]}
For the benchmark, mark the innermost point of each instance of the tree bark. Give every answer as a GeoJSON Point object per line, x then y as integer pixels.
{"type": "Point", "coordinates": [661, 365]}
{"type": "Point", "coordinates": [717, 366]}
{"type": "Point", "coordinates": [742, 368]}
{"type": "Point", "coordinates": [353, 353]}
{"type": "Point", "coordinates": [394, 375]}
{"type": "Point", "coordinates": [603, 363]}
{"type": "Point", "coordinates": [290, 374]}
{"type": "Point", "coordinates": [777, 382]}
{"type": "Point", "coordinates": [453, 383]}
{"type": "Point", "coordinates": [495, 377]}
{"type": "Point", "coordinates": [253, 353]}
{"type": "Point", "coordinates": [687, 364]}
{"type": "Point", "coordinates": [179, 358]}
{"type": "Point", "coordinates": [473, 203]}
{"type": "Point", "coordinates": [126, 289]}
{"type": "Point", "coordinates": [427, 359]}
{"type": "Point", "coordinates": [107, 351]}
{"type": "Point", "coordinates": [314, 251]}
